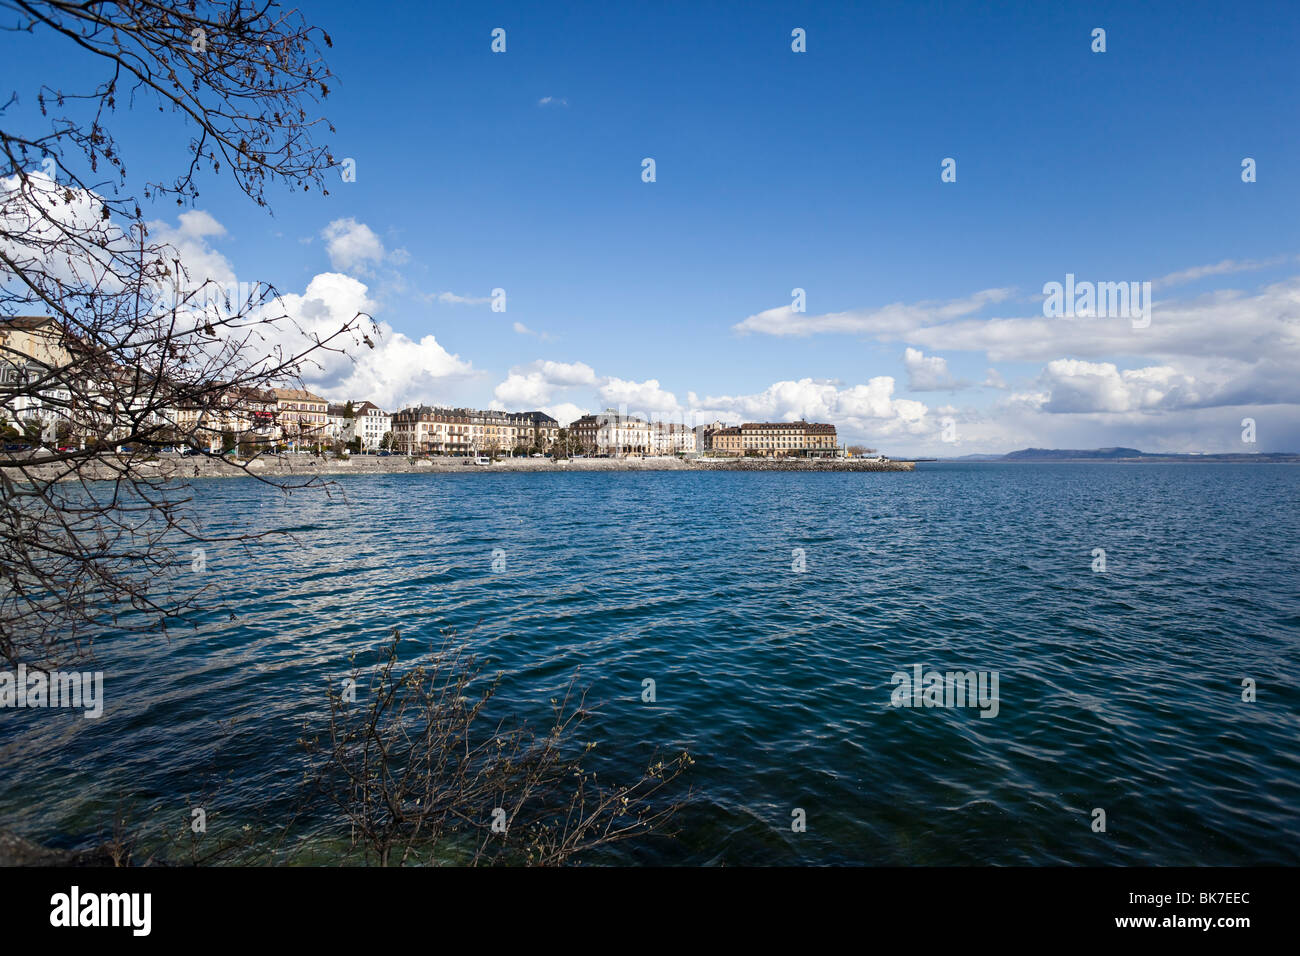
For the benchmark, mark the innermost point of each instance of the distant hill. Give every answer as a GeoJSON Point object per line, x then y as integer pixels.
{"type": "Point", "coordinates": [1071, 454]}
{"type": "Point", "coordinates": [1125, 454]}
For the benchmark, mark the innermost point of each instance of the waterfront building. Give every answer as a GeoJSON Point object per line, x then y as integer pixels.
{"type": "Point", "coordinates": [424, 429]}
{"type": "Point", "coordinates": [335, 421]}
{"type": "Point", "coordinates": [727, 441]}
{"type": "Point", "coordinates": [247, 415]}
{"type": "Point", "coordinates": [582, 433]}
{"type": "Point", "coordinates": [612, 433]}
{"type": "Point", "coordinates": [302, 415]}
{"type": "Point", "coordinates": [535, 430]}
{"type": "Point", "coordinates": [704, 435]}
{"type": "Point", "coordinates": [785, 439]}
{"type": "Point", "coordinates": [370, 423]}
{"type": "Point", "coordinates": [32, 350]}
{"type": "Point", "coordinates": [672, 438]}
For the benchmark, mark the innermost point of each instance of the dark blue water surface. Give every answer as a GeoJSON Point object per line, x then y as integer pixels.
{"type": "Point", "coordinates": [1120, 691]}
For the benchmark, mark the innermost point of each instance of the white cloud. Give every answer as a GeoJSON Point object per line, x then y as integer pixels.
{"type": "Point", "coordinates": [534, 385]}
{"type": "Point", "coordinates": [564, 412]}
{"type": "Point", "coordinates": [646, 398]}
{"type": "Point", "coordinates": [190, 238]}
{"type": "Point", "coordinates": [867, 410]}
{"type": "Point", "coordinates": [1078, 386]}
{"type": "Point", "coordinates": [398, 371]}
{"type": "Point", "coordinates": [1226, 267]}
{"type": "Point", "coordinates": [451, 298]}
{"type": "Point", "coordinates": [521, 329]}
{"type": "Point", "coordinates": [928, 372]}
{"type": "Point", "coordinates": [352, 246]}
{"type": "Point", "coordinates": [553, 101]}
{"type": "Point", "coordinates": [891, 319]}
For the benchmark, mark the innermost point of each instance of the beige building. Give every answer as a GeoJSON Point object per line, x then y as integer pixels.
{"type": "Point", "coordinates": [423, 429]}
{"type": "Point", "coordinates": [774, 440]}
{"type": "Point", "coordinates": [704, 435]}
{"type": "Point", "coordinates": [727, 441]}
{"type": "Point", "coordinates": [612, 433]}
{"type": "Point", "coordinates": [788, 439]}
{"type": "Point", "coordinates": [50, 378]}
{"type": "Point", "coordinates": [535, 430]}
{"type": "Point", "coordinates": [33, 349]}
{"type": "Point", "coordinates": [427, 429]}
{"type": "Point", "coordinates": [248, 415]}
{"type": "Point", "coordinates": [302, 415]}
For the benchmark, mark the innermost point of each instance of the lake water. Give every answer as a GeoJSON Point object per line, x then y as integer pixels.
{"type": "Point", "coordinates": [1119, 690]}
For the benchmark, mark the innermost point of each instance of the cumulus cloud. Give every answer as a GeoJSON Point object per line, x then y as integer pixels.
{"type": "Point", "coordinates": [646, 398]}
{"type": "Point", "coordinates": [191, 237]}
{"type": "Point", "coordinates": [534, 385]}
{"type": "Point", "coordinates": [1078, 386]}
{"type": "Point", "coordinates": [398, 371]}
{"type": "Point", "coordinates": [553, 101]}
{"type": "Point", "coordinates": [863, 410]}
{"type": "Point", "coordinates": [928, 372]}
{"type": "Point", "coordinates": [352, 246]}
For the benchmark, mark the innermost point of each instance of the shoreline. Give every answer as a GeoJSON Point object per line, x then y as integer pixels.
{"type": "Point", "coordinates": [285, 466]}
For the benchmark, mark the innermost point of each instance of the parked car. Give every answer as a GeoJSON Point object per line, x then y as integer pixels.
{"type": "Point", "coordinates": [482, 461]}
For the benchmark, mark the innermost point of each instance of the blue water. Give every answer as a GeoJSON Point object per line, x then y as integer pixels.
{"type": "Point", "coordinates": [1119, 690]}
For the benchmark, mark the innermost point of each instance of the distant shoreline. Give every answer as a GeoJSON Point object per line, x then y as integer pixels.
{"type": "Point", "coordinates": [1144, 460]}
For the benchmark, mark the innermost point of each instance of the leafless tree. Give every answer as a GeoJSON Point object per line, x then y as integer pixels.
{"type": "Point", "coordinates": [105, 336]}
{"type": "Point", "coordinates": [419, 774]}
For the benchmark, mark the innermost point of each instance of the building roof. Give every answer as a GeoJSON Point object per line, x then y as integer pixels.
{"type": "Point", "coordinates": [536, 418]}
{"type": "Point", "coordinates": [296, 395]}
{"type": "Point", "coordinates": [26, 322]}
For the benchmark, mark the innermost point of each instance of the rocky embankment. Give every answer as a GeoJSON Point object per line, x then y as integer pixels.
{"type": "Point", "coordinates": [172, 466]}
{"type": "Point", "coordinates": [16, 851]}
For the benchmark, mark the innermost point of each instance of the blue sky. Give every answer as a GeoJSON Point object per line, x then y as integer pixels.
{"type": "Point", "coordinates": [775, 170]}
